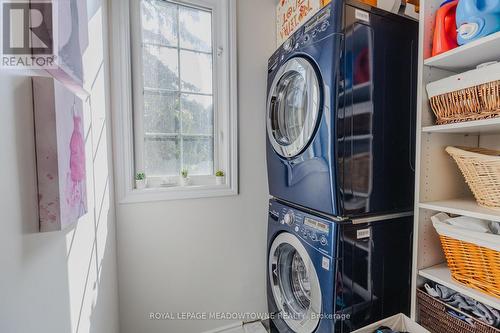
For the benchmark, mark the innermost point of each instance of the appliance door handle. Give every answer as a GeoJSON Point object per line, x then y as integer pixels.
{"type": "Point", "coordinates": [272, 105]}
{"type": "Point", "coordinates": [270, 114]}
{"type": "Point", "coordinates": [341, 143]}
{"type": "Point", "coordinates": [349, 106]}
{"type": "Point", "coordinates": [411, 147]}
{"type": "Point", "coordinates": [410, 262]}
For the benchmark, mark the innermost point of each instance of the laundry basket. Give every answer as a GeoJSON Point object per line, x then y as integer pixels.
{"type": "Point", "coordinates": [472, 95]}
{"type": "Point", "coordinates": [399, 322]}
{"type": "Point", "coordinates": [481, 170]}
{"type": "Point", "coordinates": [473, 257]}
{"type": "Point", "coordinates": [434, 315]}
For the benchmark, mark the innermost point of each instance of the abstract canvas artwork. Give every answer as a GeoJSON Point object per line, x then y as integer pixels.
{"type": "Point", "coordinates": [60, 154]}
{"type": "Point", "coordinates": [71, 39]}
{"type": "Point", "coordinates": [47, 37]}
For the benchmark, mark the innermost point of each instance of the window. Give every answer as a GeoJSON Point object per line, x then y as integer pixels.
{"type": "Point", "coordinates": [178, 93]}
{"type": "Point", "coordinates": [183, 110]}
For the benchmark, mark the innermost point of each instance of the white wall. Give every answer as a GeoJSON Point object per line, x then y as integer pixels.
{"type": "Point", "coordinates": [59, 282]}
{"type": "Point", "coordinates": [206, 255]}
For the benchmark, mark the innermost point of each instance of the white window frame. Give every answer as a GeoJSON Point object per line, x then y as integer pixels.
{"type": "Point", "coordinates": [126, 66]}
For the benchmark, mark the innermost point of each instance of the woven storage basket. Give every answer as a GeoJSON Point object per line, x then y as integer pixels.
{"type": "Point", "coordinates": [481, 169]}
{"type": "Point", "coordinates": [472, 95]}
{"type": "Point", "coordinates": [434, 316]}
{"type": "Point", "coordinates": [475, 266]}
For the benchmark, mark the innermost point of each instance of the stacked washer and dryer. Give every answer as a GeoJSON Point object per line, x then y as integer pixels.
{"type": "Point", "coordinates": [340, 154]}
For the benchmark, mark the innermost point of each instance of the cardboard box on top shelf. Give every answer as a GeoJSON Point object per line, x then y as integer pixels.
{"type": "Point", "coordinates": [291, 14]}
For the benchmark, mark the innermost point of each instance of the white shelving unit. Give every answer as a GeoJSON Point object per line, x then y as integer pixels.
{"type": "Point", "coordinates": [439, 184]}
{"type": "Point", "coordinates": [468, 56]}
{"type": "Point", "coordinates": [486, 126]}
{"type": "Point", "coordinates": [464, 207]}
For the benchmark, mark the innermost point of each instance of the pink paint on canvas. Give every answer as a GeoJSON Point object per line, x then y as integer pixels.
{"type": "Point", "coordinates": [76, 175]}
{"type": "Point", "coordinates": [60, 145]}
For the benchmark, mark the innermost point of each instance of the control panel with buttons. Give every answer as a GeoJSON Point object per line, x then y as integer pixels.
{"type": "Point", "coordinates": [304, 226]}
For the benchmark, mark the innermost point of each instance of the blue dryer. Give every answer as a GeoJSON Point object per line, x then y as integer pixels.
{"type": "Point", "coordinates": [341, 113]}
{"type": "Point", "coordinates": [326, 276]}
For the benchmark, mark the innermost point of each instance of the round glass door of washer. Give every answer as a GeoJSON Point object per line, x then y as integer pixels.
{"type": "Point", "coordinates": [294, 283]}
{"type": "Point", "coordinates": [293, 107]}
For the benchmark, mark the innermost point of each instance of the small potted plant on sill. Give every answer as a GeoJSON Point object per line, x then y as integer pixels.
{"type": "Point", "coordinates": [220, 177]}
{"type": "Point", "coordinates": [140, 181]}
{"type": "Point", "coordinates": [184, 179]}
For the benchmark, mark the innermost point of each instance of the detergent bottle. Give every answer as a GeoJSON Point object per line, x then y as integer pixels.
{"type": "Point", "coordinates": [445, 34]}
{"type": "Point", "coordinates": [476, 19]}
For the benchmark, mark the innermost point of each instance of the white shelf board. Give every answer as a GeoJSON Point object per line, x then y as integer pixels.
{"type": "Point", "coordinates": [465, 207]}
{"type": "Point", "coordinates": [484, 126]}
{"type": "Point", "coordinates": [441, 274]}
{"type": "Point", "coordinates": [468, 56]}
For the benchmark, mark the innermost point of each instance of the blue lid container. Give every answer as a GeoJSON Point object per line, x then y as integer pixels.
{"type": "Point", "coordinates": [476, 19]}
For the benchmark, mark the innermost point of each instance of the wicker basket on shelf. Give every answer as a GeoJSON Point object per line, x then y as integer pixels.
{"type": "Point", "coordinates": [472, 95]}
{"type": "Point", "coordinates": [434, 316]}
{"type": "Point", "coordinates": [481, 170]}
{"type": "Point", "coordinates": [474, 266]}
{"type": "Point", "coordinates": [473, 256]}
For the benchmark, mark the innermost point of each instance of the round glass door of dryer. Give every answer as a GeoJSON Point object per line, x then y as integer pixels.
{"type": "Point", "coordinates": [293, 107]}
{"type": "Point", "coordinates": [294, 283]}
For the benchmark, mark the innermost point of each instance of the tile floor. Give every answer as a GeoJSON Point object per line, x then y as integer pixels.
{"type": "Point", "coordinates": [248, 328]}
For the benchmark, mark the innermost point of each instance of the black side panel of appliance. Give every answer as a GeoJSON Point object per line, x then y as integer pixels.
{"type": "Point", "coordinates": [376, 114]}
{"type": "Point", "coordinates": [374, 272]}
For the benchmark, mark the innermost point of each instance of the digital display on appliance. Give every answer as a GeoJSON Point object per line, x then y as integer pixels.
{"type": "Point", "coordinates": [316, 224]}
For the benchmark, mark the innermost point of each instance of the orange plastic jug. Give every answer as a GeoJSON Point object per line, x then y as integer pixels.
{"type": "Point", "coordinates": [445, 30]}
{"type": "Point", "coordinates": [372, 3]}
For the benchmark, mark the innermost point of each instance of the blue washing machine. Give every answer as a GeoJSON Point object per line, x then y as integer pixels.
{"type": "Point", "coordinates": [341, 113]}
{"type": "Point", "coordinates": [326, 276]}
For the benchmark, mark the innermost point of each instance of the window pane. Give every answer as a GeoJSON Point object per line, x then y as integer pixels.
{"type": "Point", "coordinates": [198, 155]}
{"type": "Point", "coordinates": [195, 29]}
{"type": "Point", "coordinates": [161, 156]}
{"type": "Point", "coordinates": [178, 119]}
{"type": "Point", "coordinates": [161, 68]}
{"type": "Point", "coordinates": [196, 72]}
{"type": "Point", "coordinates": [159, 22]}
{"type": "Point", "coordinates": [161, 113]}
{"type": "Point", "coordinates": [197, 114]}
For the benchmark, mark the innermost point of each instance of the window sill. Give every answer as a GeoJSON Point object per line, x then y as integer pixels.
{"type": "Point", "coordinates": [177, 193]}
